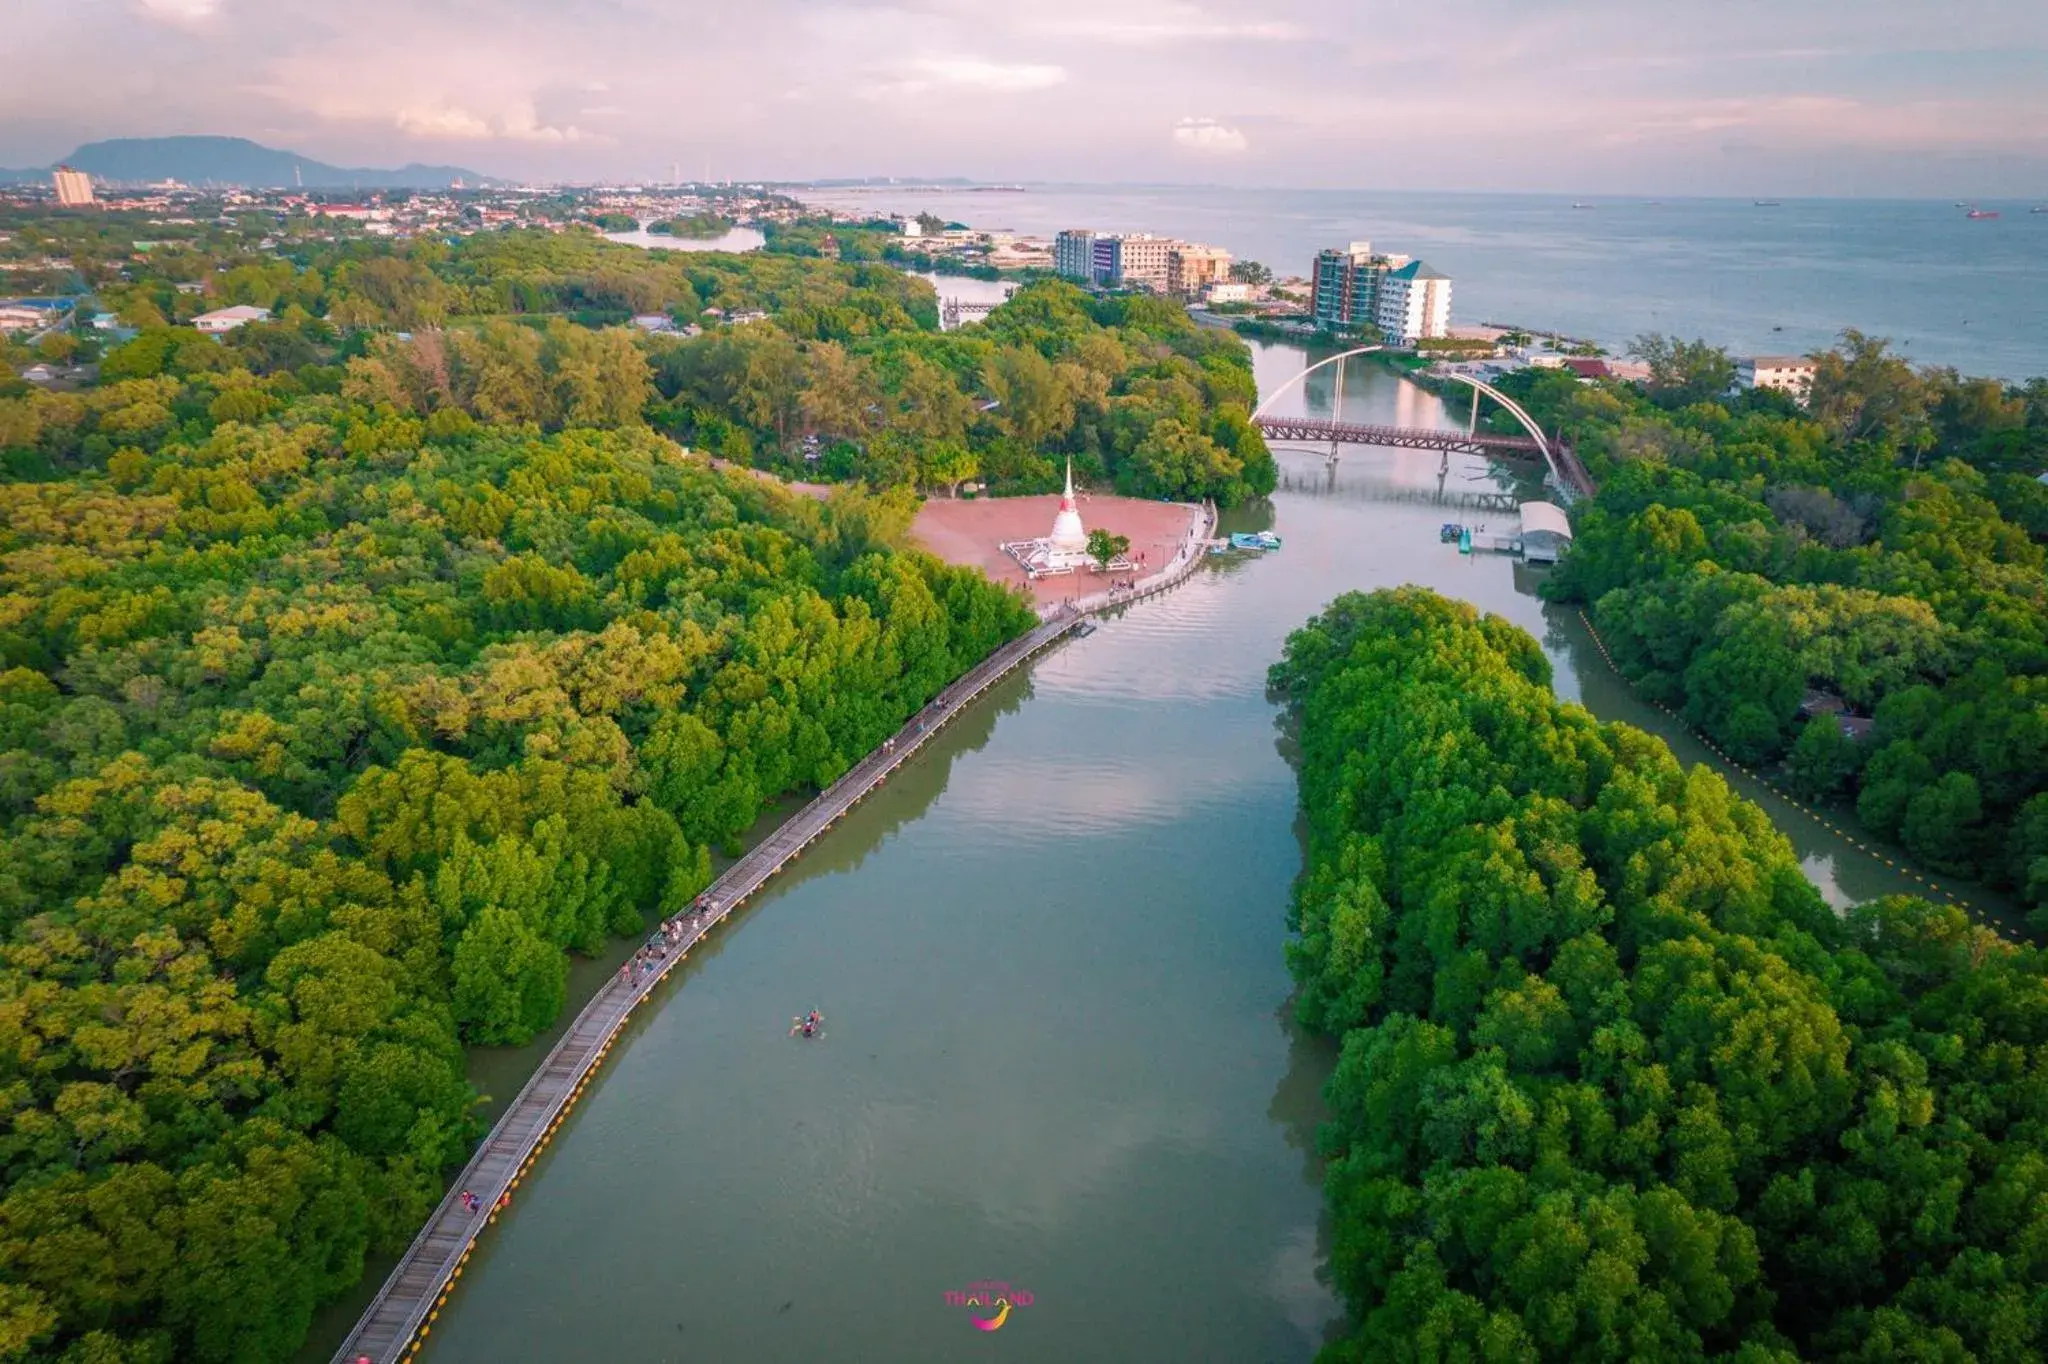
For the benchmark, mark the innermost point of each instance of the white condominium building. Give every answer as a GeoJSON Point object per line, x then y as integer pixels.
{"type": "Point", "coordinates": [1414, 304]}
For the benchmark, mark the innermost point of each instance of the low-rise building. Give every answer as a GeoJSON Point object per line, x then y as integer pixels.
{"type": "Point", "coordinates": [15, 317]}
{"type": "Point", "coordinates": [1546, 532]}
{"type": "Point", "coordinates": [1791, 374]}
{"type": "Point", "coordinates": [1227, 291]}
{"type": "Point", "coordinates": [227, 319]}
{"type": "Point", "coordinates": [1191, 269]}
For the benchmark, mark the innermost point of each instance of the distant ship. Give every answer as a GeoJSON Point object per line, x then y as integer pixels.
{"type": "Point", "coordinates": [2038, 210]}
{"type": "Point", "coordinates": [1768, 203]}
{"type": "Point", "coordinates": [1581, 205]}
{"type": "Point", "coordinates": [1982, 213]}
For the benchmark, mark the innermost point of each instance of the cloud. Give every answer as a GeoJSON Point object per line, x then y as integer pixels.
{"type": "Point", "coordinates": [517, 125]}
{"type": "Point", "coordinates": [1207, 135]}
{"type": "Point", "coordinates": [179, 11]}
{"type": "Point", "coordinates": [1165, 24]}
{"type": "Point", "coordinates": [961, 73]}
{"type": "Point", "coordinates": [435, 120]}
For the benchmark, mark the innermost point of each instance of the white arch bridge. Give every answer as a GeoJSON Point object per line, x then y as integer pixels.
{"type": "Point", "coordinates": [1566, 472]}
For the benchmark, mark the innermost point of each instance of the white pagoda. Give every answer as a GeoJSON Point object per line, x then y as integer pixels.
{"type": "Point", "coordinates": [1063, 551]}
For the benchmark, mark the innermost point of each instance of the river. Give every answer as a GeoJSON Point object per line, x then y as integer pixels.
{"type": "Point", "coordinates": [1050, 957]}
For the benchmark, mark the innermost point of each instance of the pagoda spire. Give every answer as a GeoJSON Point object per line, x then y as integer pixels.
{"type": "Point", "coordinates": [1070, 481]}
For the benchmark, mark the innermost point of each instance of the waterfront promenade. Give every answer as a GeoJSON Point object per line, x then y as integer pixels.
{"type": "Point", "coordinates": [400, 1319]}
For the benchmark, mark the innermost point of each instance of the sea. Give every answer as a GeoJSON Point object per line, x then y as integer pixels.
{"type": "Point", "coordinates": [1759, 279]}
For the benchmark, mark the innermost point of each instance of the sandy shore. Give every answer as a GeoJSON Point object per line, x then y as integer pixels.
{"type": "Point", "coordinates": [971, 532]}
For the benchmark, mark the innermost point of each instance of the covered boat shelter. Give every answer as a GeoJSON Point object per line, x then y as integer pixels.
{"type": "Point", "coordinates": [1546, 532]}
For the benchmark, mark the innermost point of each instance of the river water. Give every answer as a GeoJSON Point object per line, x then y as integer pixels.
{"type": "Point", "coordinates": [1050, 956]}
{"type": "Point", "coordinates": [735, 240]}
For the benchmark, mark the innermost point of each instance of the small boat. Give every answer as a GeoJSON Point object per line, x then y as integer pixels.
{"type": "Point", "coordinates": [1581, 205]}
{"type": "Point", "coordinates": [1448, 532]}
{"type": "Point", "coordinates": [1260, 540]}
{"type": "Point", "coordinates": [2042, 209]}
{"type": "Point", "coordinates": [1465, 540]}
{"type": "Point", "coordinates": [1981, 213]}
{"type": "Point", "coordinates": [1768, 203]}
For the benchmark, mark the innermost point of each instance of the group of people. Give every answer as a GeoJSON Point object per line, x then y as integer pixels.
{"type": "Point", "coordinates": [665, 940]}
{"type": "Point", "coordinates": [807, 1024]}
{"type": "Point", "coordinates": [470, 1202]}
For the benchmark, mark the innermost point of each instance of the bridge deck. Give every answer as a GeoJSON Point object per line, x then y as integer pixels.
{"type": "Point", "coordinates": [1577, 482]}
{"type": "Point", "coordinates": [400, 1317]}
{"type": "Point", "coordinates": [1398, 437]}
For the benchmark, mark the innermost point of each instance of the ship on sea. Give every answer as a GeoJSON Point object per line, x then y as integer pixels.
{"type": "Point", "coordinates": [1768, 203]}
{"type": "Point", "coordinates": [1581, 205]}
{"type": "Point", "coordinates": [1981, 213]}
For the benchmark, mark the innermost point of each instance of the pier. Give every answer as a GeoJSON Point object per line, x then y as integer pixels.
{"type": "Point", "coordinates": [400, 1319]}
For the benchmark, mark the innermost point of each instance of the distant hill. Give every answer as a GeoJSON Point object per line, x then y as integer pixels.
{"type": "Point", "coordinates": [238, 161]}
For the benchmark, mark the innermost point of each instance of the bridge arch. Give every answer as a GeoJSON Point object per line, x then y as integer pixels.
{"type": "Point", "coordinates": [1568, 486]}
{"type": "Point", "coordinates": [1268, 400]}
{"type": "Point", "coordinates": [1543, 442]}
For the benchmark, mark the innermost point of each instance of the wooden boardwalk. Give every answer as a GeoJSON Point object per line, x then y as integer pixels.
{"type": "Point", "coordinates": [398, 1321]}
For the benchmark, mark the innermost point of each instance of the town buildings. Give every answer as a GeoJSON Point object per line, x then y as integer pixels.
{"type": "Point", "coordinates": [74, 187]}
{"type": "Point", "coordinates": [1398, 298]}
{"type": "Point", "coordinates": [1792, 374]}
{"type": "Point", "coordinates": [1139, 260]}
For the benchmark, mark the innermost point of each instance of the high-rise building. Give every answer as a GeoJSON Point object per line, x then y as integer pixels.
{"type": "Point", "coordinates": [74, 187]}
{"type": "Point", "coordinates": [1414, 304]}
{"type": "Point", "coordinates": [1392, 296]}
{"type": "Point", "coordinates": [1345, 285]}
{"type": "Point", "coordinates": [1073, 254]}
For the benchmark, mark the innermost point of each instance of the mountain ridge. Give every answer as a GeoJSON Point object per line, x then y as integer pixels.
{"type": "Point", "coordinates": [208, 160]}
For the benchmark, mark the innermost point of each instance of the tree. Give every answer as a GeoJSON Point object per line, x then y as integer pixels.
{"type": "Point", "coordinates": [1106, 548]}
{"type": "Point", "coordinates": [1684, 372]}
{"type": "Point", "coordinates": [1250, 272]}
{"type": "Point", "coordinates": [1608, 1068]}
{"type": "Point", "coordinates": [1823, 759]}
{"type": "Point", "coordinates": [1862, 392]}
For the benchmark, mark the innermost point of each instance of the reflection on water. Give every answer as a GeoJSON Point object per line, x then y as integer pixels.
{"type": "Point", "coordinates": [737, 240]}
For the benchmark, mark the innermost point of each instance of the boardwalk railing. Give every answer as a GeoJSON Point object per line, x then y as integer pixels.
{"type": "Point", "coordinates": [401, 1317]}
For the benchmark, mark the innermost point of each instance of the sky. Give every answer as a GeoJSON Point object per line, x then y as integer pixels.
{"type": "Point", "coordinates": [1819, 97]}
